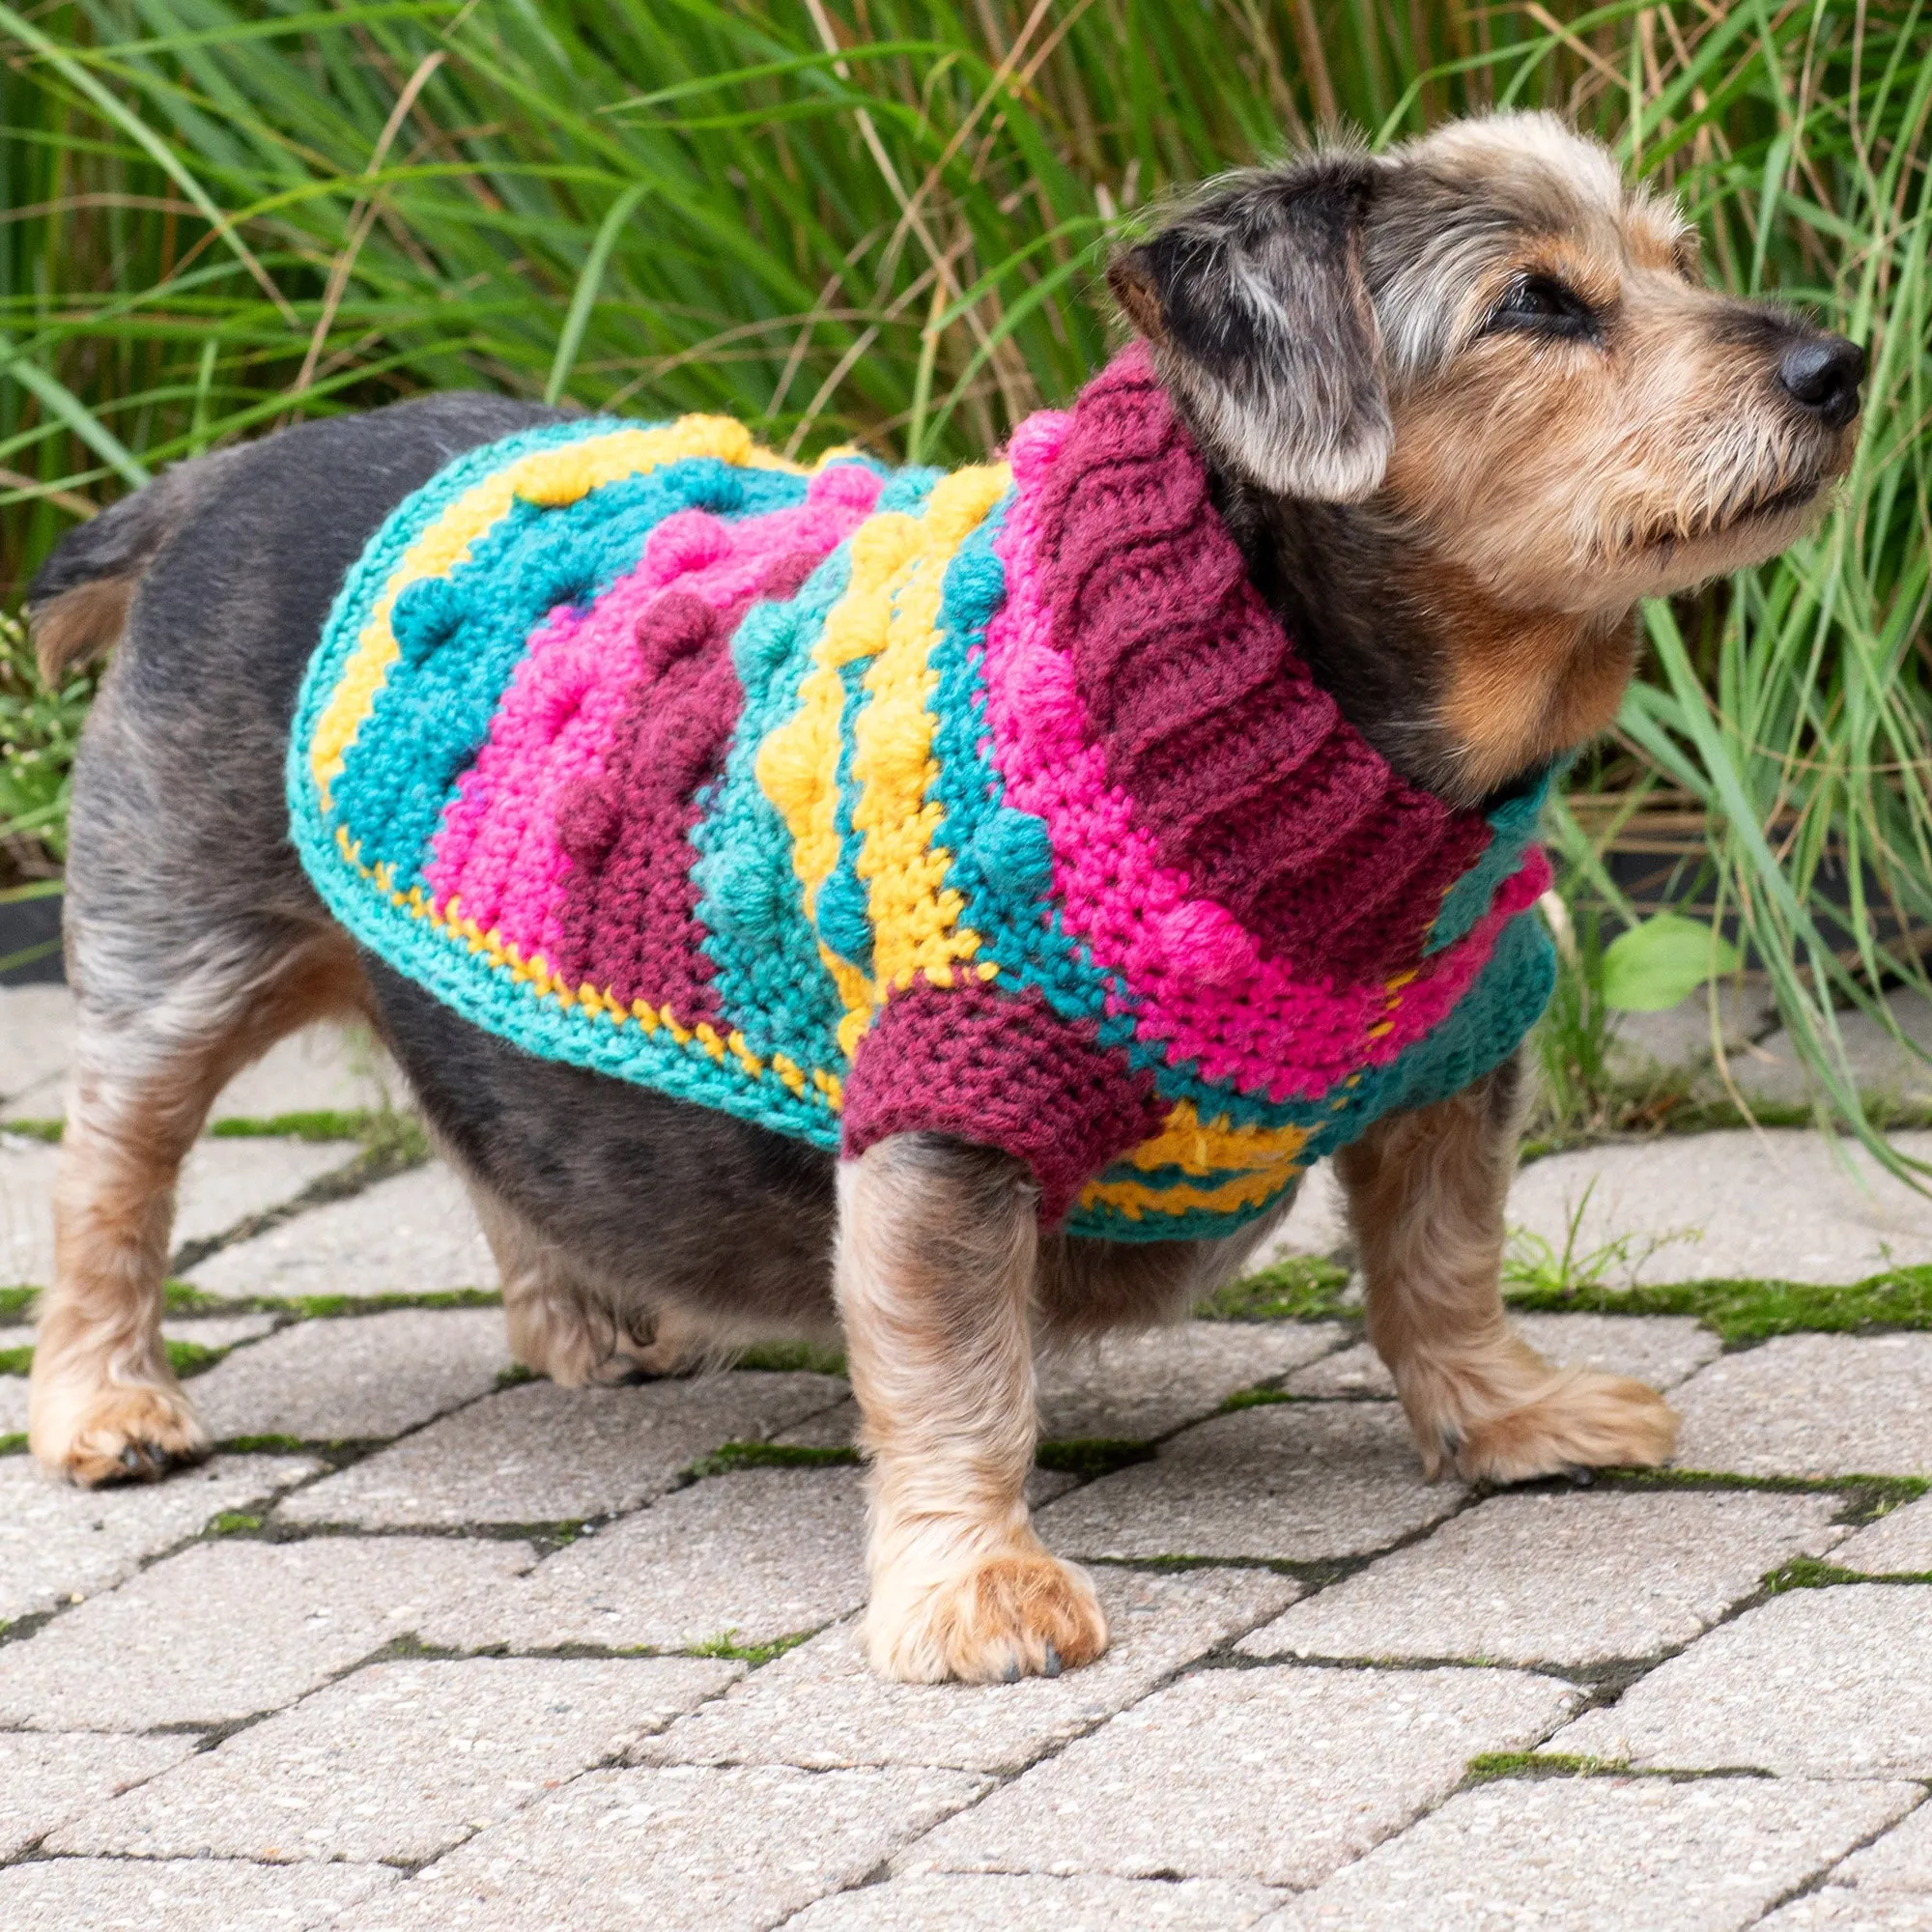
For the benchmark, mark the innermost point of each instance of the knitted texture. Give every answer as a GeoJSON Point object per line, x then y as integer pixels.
{"type": "Point", "coordinates": [858, 802]}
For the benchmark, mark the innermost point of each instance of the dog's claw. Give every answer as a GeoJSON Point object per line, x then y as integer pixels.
{"type": "Point", "coordinates": [1011, 1674]}
{"type": "Point", "coordinates": [1581, 1474]}
{"type": "Point", "coordinates": [1051, 1667]}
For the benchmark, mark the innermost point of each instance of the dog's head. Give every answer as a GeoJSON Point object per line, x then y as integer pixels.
{"type": "Point", "coordinates": [1505, 361]}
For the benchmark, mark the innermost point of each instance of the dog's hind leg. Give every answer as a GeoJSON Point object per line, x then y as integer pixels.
{"type": "Point", "coordinates": [1426, 1192]}
{"type": "Point", "coordinates": [938, 1243]}
{"type": "Point", "coordinates": [192, 945]}
{"type": "Point", "coordinates": [157, 1037]}
{"type": "Point", "coordinates": [562, 1327]}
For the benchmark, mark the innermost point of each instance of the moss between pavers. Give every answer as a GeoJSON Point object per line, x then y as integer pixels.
{"type": "Point", "coordinates": [1260, 1398]}
{"type": "Point", "coordinates": [729, 1457]}
{"type": "Point", "coordinates": [18, 1300]}
{"type": "Point", "coordinates": [1303, 1287]}
{"type": "Point", "coordinates": [1487, 1767]}
{"type": "Point", "coordinates": [185, 1358]}
{"type": "Point", "coordinates": [754, 1654]}
{"type": "Point", "coordinates": [1751, 1310]}
{"type": "Point", "coordinates": [1809, 1573]}
{"type": "Point", "coordinates": [12, 1445]}
{"type": "Point", "coordinates": [35, 1130]}
{"type": "Point", "coordinates": [184, 1298]}
{"type": "Point", "coordinates": [787, 1357]}
{"type": "Point", "coordinates": [317, 1124]}
{"type": "Point", "coordinates": [1091, 1455]}
{"type": "Point", "coordinates": [1866, 1499]}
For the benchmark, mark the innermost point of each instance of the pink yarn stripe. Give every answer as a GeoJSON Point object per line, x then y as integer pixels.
{"type": "Point", "coordinates": [496, 848]}
{"type": "Point", "coordinates": [1195, 977]}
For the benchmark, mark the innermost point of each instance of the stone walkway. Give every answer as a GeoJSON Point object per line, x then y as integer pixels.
{"type": "Point", "coordinates": [430, 1644]}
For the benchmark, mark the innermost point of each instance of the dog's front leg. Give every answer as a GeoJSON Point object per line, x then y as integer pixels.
{"type": "Point", "coordinates": [938, 1242]}
{"type": "Point", "coordinates": [1426, 1192]}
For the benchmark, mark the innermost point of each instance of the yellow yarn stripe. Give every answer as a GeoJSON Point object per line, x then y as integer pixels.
{"type": "Point", "coordinates": [914, 915]}
{"type": "Point", "coordinates": [1133, 1200]}
{"type": "Point", "coordinates": [548, 476]}
{"type": "Point", "coordinates": [887, 613]}
{"type": "Point", "coordinates": [1186, 1142]}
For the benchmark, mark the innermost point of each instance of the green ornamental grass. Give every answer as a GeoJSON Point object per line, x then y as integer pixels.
{"type": "Point", "coordinates": [884, 220]}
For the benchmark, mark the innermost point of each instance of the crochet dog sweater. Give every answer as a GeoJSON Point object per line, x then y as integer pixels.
{"type": "Point", "coordinates": [858, 800]}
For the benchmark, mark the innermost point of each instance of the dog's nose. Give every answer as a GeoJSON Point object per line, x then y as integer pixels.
{"type": "Point", "coordinates": [1823, 373]}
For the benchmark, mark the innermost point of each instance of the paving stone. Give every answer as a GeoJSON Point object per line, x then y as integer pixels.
{"type": "Point", "coordinates": [46, 1780]}
{"type": "Point", "coordinates": [57, 1542]}
{"type": "Point", "coordinates": [1318, 1224]}
{"type": "Point", "coordinates": [1135, 1387]}
{"type": "Point", "coordinates": [820, 1706]}
{"type": "Point", "coordinates": [1770, 1205]}
{"type": "Point", "coordinates": [415, 1233]}
{"type": "Point", "coordinates": [676, 1850]}
{"type": "Point", "coordinates": [1004, 1902]}
{"type": "Point", "coordinates": [1883, 1068]}
{"type": "Point", "coordinates": [229, 1628]}
{"type": "Point", "coordinates": [1898, 1544]}
{"type": "Point", "coordinates": [323, 1070]}
{"type": "Point", "coordinates": [1294, 1480]}
{"type": "Point", "coordinates": [1678, 1039]}
{"type": "Point", "coordinates": [188, 1895]}
{"type": "Point", "coordinates": [1824, 1683]}
{"type": "Point", "coordinates": [1658, 1349]}
{"type": "Point", "coordinates": [36, 1046]}
{"type": "Point", "coordinates": [1558, 1580]}
{"type": "Point", "coordinates": [747, 1557]}
{"type": "Point", "coordinates": [400, 1761]}
{"type": "Point", "coordinates": [1576, 1854]}
{"type": "Point", "coordinates": [1812, 1406]}
{"type": "Point", "coordinates": [1272, 1775]}
{"type": "Point", "coordinates": [13, 1414]}
{"type": "Point", "coordinates": [223, 1182]}
{"type": "Point", "coordinates": [360, 1376]}
{"type": "Point", "coordinates": [542, 1453]}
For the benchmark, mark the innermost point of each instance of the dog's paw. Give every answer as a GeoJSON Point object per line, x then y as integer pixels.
{"type": "Point", "coordinates": [1021, 1614]}
{"type": "Point", "coordinates": [1586, 1420]}
{"type": "Point", "coordinates": [127, 1433]}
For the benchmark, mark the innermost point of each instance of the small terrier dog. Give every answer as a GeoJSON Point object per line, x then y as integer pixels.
{"type": "Point", "coordinates": [1460, 407]}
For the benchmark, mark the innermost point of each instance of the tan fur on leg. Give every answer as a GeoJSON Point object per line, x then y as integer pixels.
{"type": "Point", "coordinates": [106, 1404]}
{"type": "Point", "coordinates": [1426, 1193]}
{"type": "Point", "coordinates": [937, 1249]}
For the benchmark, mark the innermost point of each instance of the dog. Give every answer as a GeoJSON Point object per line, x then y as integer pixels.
{"type": "Point", "coordinates": [1458, 408]}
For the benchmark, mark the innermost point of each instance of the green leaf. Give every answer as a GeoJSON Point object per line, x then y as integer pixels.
{"type": "Point", "coordinates": [1661, 961]}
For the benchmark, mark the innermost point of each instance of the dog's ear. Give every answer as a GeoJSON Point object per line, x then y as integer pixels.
{"type": "Point", "coordinates": [1255, 307]}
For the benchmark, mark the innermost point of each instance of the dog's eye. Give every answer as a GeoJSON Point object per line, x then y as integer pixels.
{"type": "Point", "coordinates": [1542, 305]}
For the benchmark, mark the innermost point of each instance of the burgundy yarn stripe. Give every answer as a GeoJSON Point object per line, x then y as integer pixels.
{"type": "Point", "coordinates": [1240, 767]}
{"type": "Point", "coordinates": [1004, 1070]}
{"type": "Point", "coordinates": [629, 919]}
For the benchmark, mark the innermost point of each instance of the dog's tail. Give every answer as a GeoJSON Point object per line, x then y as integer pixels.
{"type": "Point", "coordinates": [78, 600]}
